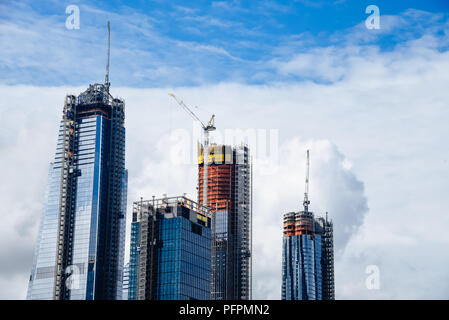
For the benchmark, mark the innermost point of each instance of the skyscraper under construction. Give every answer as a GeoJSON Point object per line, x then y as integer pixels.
{"type": "Point", "coordinates": [229, 193]}
{"type": "Point", "coordinates": [307, 254]}
{"type": "Point", "coordinates": [80, 247]}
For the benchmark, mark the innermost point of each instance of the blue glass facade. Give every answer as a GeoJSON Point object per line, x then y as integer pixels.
{"type": "Point", "coordinates": [134, 258]}
{"type": "Point", "coordinates": [221, 252]}
{"type": "Point", "coordinates": [170, 251]}
{"type": "Point", "coordinates": [301, 269]}
{"type": "Point", "coordinates": [43, 270]}
{"type": "Point", "coordinates": [80, 246]}
{"type": "Point", "coordinates": [183, 270]}
{"type": "Point", "coordinates": [88, 199]}
{"type": "Point", "coordinates": [122, 271]}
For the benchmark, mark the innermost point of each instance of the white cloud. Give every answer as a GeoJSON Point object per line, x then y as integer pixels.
{"type": "Point", "coordinates": [320, 64]}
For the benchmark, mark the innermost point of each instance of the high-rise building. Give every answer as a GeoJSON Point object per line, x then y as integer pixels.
{"type": "Point", "coordinates": [230, 202]}
{"type": "Point", "coordinates": [307, 254]}
{"type": "Point", "coordinates": [80, 246]}
{"type": "Point", "coordinates": [170, 250]}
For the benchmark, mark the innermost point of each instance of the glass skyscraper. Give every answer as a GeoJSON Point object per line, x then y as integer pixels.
{"type": "Point", "coordinates": [170, 251]}
{"type": "Point", "coordinates": [80, 247]}
{"type": "Point", "coordinates": [307, 258]}
{"type": "Point", "coordinates": [307, 255]}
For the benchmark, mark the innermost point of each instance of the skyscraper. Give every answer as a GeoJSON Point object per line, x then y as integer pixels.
{"type": "Point", "coordinates": [170, 251]}
{"type": "Point", "coordinates": [307, 254]}
{"type": "Point", "coordinates": [80, 246]}
{"type": "Point", "coordinates": [230, 202]}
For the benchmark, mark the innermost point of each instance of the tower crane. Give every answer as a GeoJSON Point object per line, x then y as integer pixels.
{"type": "Point", "coordinates": [306, 201]}
{"type": "Point", "coordinates": [206, 128]}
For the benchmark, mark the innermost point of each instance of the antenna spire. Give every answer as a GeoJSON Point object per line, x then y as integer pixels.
{"type": "Point", "coordinates": [306, 201]}
{"type": "Point", "coordinates": [106, 80]}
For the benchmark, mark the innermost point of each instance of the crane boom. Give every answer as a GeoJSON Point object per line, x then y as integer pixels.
{"type": "Point", "coordinates": [186, 108]}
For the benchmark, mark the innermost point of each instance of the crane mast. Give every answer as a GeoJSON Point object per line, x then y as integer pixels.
{"type": "Point", "coordinates": [106, 79]}
{"type": "Point", "coordinates": [206, 129]}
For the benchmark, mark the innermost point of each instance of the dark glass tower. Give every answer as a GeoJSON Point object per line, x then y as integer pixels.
{"type": "Point", "coordinates": [170, 251]}
{"type": "Point", "coordinates": [307, 255]}
{"type": "Point", "coordinates": [230, 202]}
{"type": "Point", "coordinates": [80, 246]}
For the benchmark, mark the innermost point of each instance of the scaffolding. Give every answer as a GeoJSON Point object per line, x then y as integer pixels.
{"type": "Point", "coordinates": [66, 197]}
{"type": "Point", "coordinates": [327, 236]}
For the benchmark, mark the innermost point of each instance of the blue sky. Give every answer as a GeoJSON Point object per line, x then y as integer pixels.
{"type": "Point", "coordinates": [172, 43]}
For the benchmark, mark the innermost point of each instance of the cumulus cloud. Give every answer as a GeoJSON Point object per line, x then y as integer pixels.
{"type": "Point", "coordinates": [319, 64]}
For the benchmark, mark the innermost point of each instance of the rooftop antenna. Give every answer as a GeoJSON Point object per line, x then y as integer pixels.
{"type": "Point", "coordinates": [306, 201]}
{"type": "Point", "coordinates": [106, 80]}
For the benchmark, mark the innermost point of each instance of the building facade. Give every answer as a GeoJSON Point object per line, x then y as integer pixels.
{"type": "Point", "coordinates": [125, 285]}
{"type": "Point", "coordinates": [230, 204]}
{"type": "Point", "coordinates": [80, 246]}
{"type": "Point", "coordinates": [326, 229]}
{"type": "Point", "coordinates": [307, 258]}
{"type": "Point", "coordinates": [170, 252]}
